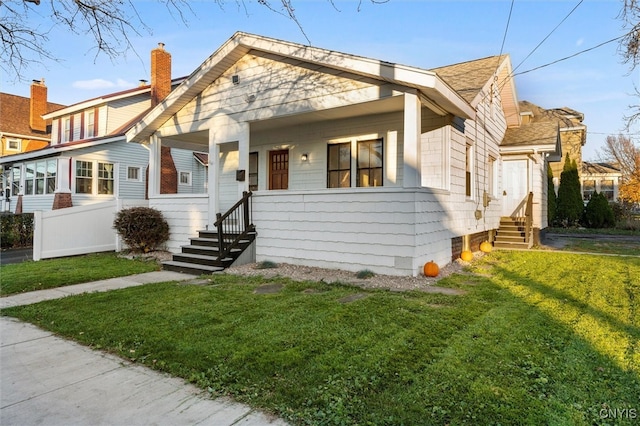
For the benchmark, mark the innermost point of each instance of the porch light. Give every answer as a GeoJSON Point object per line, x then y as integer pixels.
{"type": "Point", "coordinates": [304, 157]}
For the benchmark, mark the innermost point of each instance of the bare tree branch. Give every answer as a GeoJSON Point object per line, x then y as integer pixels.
{"type": "Point", "coordinates": [110, 24]}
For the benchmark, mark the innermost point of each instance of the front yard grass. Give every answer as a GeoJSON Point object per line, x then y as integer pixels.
{"type": "Point", "coordinates": [624, 247]}
{"type": "Point", "coordinates": [51, 273]}
{"type": "Point", "coordinates": [538, 338]}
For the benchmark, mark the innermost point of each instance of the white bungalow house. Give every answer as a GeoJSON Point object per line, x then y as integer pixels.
{"type": "Point", "coordinates": [603, 178]}
{"type": "Point", "coordinates": [352, 162]}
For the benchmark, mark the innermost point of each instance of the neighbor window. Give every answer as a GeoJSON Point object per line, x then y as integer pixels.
{"type": "Point", "coordinates": [588, 188]}
{"type": "Point", "coordinates": [369, 170]}
{"type": "Point", "coordinates": [13, 144]}
{"type": "Point", "coordinates": [133, 173]}
{"type": "Point", "coordinates": [15, 181]}
{"type": "Point", "coordinates": [67, 129]}
{"type": "Point", "coordinates": [40, 177]}
{"type": "Point", "coordinates": [91, 124]}
{"type": "Point", "coordinates": [339, 165]}
{"type": "Point", "coordinates": [606, 188]}
{"type": "Point", "coordinates": [185, 178]}
{"type": "Point", "coordinates": [84, 177]}
{"type": "Point", "coordinates": [105, 178]}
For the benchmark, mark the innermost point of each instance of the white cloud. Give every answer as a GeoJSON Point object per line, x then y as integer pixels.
{"type": "Point", "coordinates": [99, 83]}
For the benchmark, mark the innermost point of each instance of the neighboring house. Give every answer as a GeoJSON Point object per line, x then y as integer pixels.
{"type": "Point", "coordinates": [88, 160]}
{"type": "Point", "coordinates": [353, 162]}
{"type": "Point", "coordinates": [603, 178]}
{"type": "Point", "coordinates": [572, 131]}
{"type": "Point", "coordinates": [22, 128]}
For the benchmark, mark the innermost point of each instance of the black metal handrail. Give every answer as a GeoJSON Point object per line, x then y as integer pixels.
{"type": "Point", "coordinates": [234, 225]}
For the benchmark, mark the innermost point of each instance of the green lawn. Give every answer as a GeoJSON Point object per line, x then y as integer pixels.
{"type": "Point", "coordinates": [50, 273]}
{"type": "Point", "coordinates": [538, 338]}
{"type": "Point", "coordinates": [630, 248]}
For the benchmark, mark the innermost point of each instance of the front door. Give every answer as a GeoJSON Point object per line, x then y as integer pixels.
{"type": "Point", "coordinates": [279, 169]}
{"type": "Point", "coordinates": [515, 186]}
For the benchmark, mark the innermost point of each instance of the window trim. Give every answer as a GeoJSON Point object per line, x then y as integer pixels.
{"type": "Point", "coordinates": [95, 178]}
{"type": "Point", "coordinates": [17, 141]}
{"type": "Point", "coordinates": [254, 173]}
{"type": "Point", "coordinates": [329, 170]}
{"type": "Point", "coordinates": [357, 165]}
{"type": "Point", "coordinates": [189, 174]}
{"type": "Point", "coordinates": [31, 184]}
{"type": "Point", "coordinates": [138, 173]}
{"type": "Point", "coordinates": [469, 184]}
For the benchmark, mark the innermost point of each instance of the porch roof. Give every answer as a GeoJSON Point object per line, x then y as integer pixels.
{"type": "Point", "coordinates": [431, 86]}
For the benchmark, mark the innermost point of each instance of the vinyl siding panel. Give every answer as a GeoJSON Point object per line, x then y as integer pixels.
{"type": "Point", "coordinates": [185, 215]}
{"type": "Point", "coordinates": [119, 112]}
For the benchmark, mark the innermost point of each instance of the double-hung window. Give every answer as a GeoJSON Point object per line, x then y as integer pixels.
{"type": "Point", "coordinates": [469, 169]}
{"type": "Point", "coordinates": [339, 165]}
{"type": "Point", "coordinates": [95, 177]}
{"type": "Point", "coordinates": [588, 188]}
{"type": "Point", "coordinates": [370, 155]}
{"type": "Point", "coordinates": [91, 124]}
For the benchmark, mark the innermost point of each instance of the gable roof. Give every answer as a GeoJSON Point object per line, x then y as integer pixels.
{"type": "Point", "coordinates": [599, 169]}
{"type": "Point", "coordinates": [541, 133]}
{"type": "Point", "coordinates": [15, 112]}
{"type": "Point", "coordinates": [429, 84]}
{"type": "Point", "coordinates": [469, 78]}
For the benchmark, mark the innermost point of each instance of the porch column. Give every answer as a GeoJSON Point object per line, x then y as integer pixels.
{"type": "Point", "coordinates": [243, 156]}
{"type": "Point", "coordinates": [154, 167]}
{"type": "Point", "coordinates": [62, 194]}
{"type": "Point", "coordinates": [412, 133]}
{"type": "Point", "coordinates": [212, 177]}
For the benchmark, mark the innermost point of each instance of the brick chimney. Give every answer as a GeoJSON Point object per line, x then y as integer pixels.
{"type": "Point", "coordinates": [38, 106]}
{"type": "Point", "coordinates": [160, 74]}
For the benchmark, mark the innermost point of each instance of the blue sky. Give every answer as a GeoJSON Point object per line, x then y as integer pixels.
{"type": "Point", "coordinates": [421, 33]}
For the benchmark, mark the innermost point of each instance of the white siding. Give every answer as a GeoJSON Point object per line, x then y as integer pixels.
{"type": "Point", "coordinates": [121, 111]}
{"type": "Point", "coordinates": [390, 231]}
{"type": "Point", "coordinates": [185, 214]}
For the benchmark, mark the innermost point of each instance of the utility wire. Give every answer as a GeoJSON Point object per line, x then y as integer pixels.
{"type": "Point", "coordinates": [506, 29]}
{"type": "Point", "coordinates": [548, 35]}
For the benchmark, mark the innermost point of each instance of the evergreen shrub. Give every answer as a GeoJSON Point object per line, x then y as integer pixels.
{"type": "Point", "coordinates": [143, 229]}
{"type": "Point", "coordinates": [598, 213]}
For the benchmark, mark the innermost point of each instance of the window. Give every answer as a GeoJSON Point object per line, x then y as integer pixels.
{"type": "Point", "coordinates": [84, 177]}
{"type": "Point", "coordinates": [253, 171]}
{"type": "Point", "coordinates": [90, 124]}
{"type": "Point", "coordinates": [13, 144]}
{"type": "Point", "coordinates": [67, 129]}
{"type": "Point", "coordinates": [468, 169]}
{"type": "Point", "coordinates": [339, 165]}
{"type": "Point", "coordinates": [29, 177]}
{"type": "Point", "coordinates": [588, 188]}
{"type": "Point", "coordinates": [184, 178]}
{"type": "Point", "coordinates": [41, 174]}
{"type": "Point", "coordinates": [606, 188]}
{"type": "Point", "coordinates": [133, 174]}
{"type": "Point", "coordinates": [369, 170]}
{"type": "Point", "coordinates": [105, 178]}
{"type": "Point", "coordinates": [15, 181]}
{"type": "Point", "coordinates": [40, 177]}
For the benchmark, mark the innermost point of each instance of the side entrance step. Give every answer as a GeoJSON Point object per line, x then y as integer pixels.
{"type": "Point", "coordinates": [512, 233]}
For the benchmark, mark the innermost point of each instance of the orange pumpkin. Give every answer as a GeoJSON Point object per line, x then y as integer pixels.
{"type": "Point", "coordinates": [486, 247]}
{"type": "Point", "coordinates": [431, 269]}
{"type": "Point", "coordinates": [466, 255]}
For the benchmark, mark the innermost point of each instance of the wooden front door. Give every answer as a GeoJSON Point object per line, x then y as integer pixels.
{"type": "Point", "coordinates": [279, 169]}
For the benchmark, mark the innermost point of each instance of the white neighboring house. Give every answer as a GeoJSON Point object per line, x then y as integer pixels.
{"type": "Point", "coordinates": [603, 178]}
{"type": "Point", "coordinates": [353, 162]}
{"type": "Point", "coordinates": [88, 159]}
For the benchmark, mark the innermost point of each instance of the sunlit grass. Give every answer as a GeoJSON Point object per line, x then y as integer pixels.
{"type": "Point", "coordinates": [50, 273]}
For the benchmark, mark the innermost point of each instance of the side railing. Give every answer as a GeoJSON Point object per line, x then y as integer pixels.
{"type": "Point", "coordinates": [234, 225]}
{"type": "Point", "coordinates": [528, 215]}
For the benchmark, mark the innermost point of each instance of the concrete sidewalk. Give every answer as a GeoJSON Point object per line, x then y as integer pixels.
{"type": "Point", "coordinates": [47, 380]}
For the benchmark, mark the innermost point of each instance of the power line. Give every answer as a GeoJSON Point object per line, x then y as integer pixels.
{"type": "Point", "coordinates": [548, 35]}
{"type": "Point", "coordinates": [506, 29]}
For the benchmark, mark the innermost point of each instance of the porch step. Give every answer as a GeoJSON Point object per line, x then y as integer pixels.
{"type": "Point", "coordinates": [190, 268]}
{"type": "Point", "coordinates": [203, 254]}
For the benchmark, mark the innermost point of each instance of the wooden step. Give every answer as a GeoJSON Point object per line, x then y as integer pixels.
{"type": "Point", "coordinates": [190, 268]}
